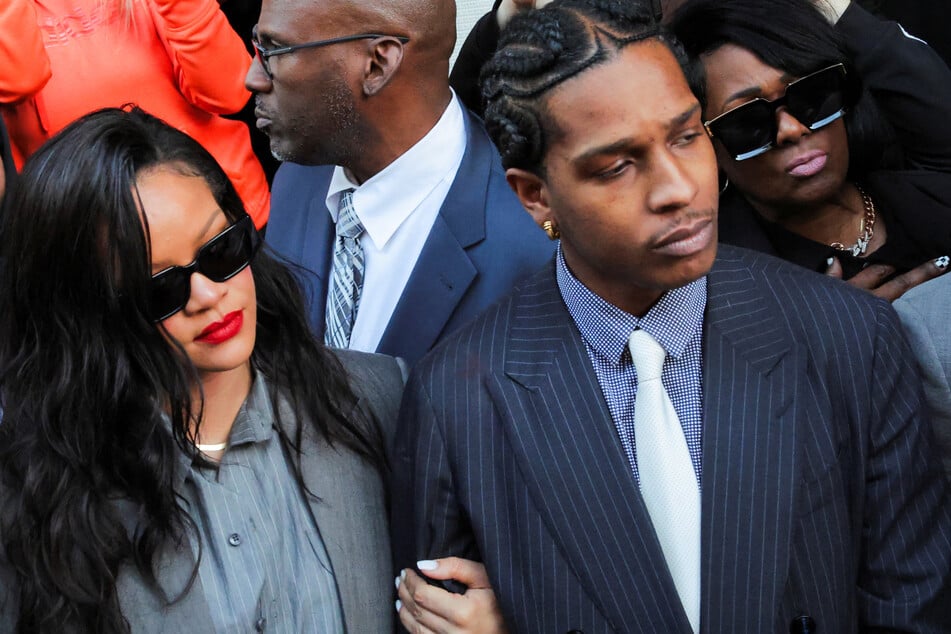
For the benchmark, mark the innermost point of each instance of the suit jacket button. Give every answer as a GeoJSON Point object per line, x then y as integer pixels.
{"type": "Point", "coordinates": [803, 624]}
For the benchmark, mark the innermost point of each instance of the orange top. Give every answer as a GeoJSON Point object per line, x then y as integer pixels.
{"type": "Point", "coordinates": [177, 59]}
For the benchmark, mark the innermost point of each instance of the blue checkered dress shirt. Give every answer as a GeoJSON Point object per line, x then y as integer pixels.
{"type": "Point", "coordinates": [675, 321]}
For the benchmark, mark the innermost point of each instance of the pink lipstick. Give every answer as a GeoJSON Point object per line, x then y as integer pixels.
{"type": "Point", "coordinates": [808, 164]}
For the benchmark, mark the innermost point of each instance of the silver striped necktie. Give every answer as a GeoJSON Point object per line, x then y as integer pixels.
{"type": "Point", "coordinates": [343, 298]}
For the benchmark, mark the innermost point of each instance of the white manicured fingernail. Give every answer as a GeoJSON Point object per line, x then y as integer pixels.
{"type": "Point", "coordinates": [399, 604]}
{"type": "Point", "coordinates": [396, 581]}
{"type": "Point", "coordinates": [427, 564]}
{"type": "Point", "coordinates": [403, 574]}
{"type": "Point", "coordinates": [830, 261]}
{"type": "Point", "coordinates": [942, 262]}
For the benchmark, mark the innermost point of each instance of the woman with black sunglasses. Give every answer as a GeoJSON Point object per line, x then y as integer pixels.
{"type": "Point", "coordinates": [850, 180]}
{"type": "Point", "coordinates": [177, 451]}
{"type": "Point", "coordinates": [794, 100]}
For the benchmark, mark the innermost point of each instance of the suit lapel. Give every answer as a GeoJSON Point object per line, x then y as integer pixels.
{"type": "Point", "coordinates": [750, 370]}
{"type": "Point", "coordinates": [444, 271]}
{"type": "Point", "coordinates": [350, 515]}
{"type": "Point", "coordinates": [578, 475]}
{"type": "Point", "coordinates": [440, 279]}
{"type": "Point", "coordinates": [316, 253]}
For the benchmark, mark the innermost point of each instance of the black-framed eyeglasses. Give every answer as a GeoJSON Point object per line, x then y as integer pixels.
{"type": "Point", "coordinates": [219, 259]}
{"type": "Point", "coordinates": [815, 100]}
{"type": "Point", "coordinates": [264, 53]}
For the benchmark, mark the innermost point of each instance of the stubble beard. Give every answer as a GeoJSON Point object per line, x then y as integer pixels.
{"type": "Point", "coordinates": [334, 143]}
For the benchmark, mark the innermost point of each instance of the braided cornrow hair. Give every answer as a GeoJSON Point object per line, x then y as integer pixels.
{"type": "Point", "coordinates": [541, 49]}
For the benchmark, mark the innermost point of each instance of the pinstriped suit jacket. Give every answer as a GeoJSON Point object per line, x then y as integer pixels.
{"type": "Point", "coordinates": [821, 492]}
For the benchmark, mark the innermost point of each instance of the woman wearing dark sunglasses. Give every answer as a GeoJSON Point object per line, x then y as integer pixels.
{"type": "Point", "coordinates": [177, 452]}
{"type": "Point", "coordinates": [803, 146]}
{"type": "Point", "coordinates": [814, 173]}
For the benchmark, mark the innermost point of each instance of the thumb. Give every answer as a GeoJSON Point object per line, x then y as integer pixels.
{"type": "Point", "coordinates": [835, 268]}
{"type": "Point", "coordinates": [471, 574]}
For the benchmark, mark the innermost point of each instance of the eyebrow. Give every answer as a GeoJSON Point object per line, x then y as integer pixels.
{"type": "Point", "coordinates": [756, 91]}
{"type": "Point", "coordinates": [682, 119]}
{"type": "Point", "coordinates": [211, 220]}
{"type": "Point", "coordinates": [161, 266]}
{"type": "Point", "coordinates": [262, 38]}
{"type": "Point", "coordinates": [613, 148]}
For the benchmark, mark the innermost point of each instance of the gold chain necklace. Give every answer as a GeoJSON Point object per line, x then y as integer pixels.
{"type": "Point", "coordinates": [866, 231]}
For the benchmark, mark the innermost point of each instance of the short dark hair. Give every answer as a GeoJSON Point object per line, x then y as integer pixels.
{"type": "Point", "coordinates": [541, 49]}
{"type": "Point", "coordinates": [792, 36]}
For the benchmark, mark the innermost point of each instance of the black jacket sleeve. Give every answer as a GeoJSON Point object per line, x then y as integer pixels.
{"type": "Point", "coordinates": [911, 85]}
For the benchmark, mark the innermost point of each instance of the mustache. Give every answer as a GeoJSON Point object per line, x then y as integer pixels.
{"type": "Point", "coordinates": [684, 219]}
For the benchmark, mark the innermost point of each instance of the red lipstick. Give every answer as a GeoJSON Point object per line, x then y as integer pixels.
{"type": "Point", "coordinates": [223, 330]}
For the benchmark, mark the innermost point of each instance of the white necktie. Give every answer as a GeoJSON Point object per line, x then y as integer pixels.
{"type": "Point", "coordinates": [346, 286]}
{"type": "Point", "coordinates": [667, 480]}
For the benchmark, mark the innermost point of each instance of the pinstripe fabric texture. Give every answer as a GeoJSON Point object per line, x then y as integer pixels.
{"type": "Point", "coordinates": [676, 321]}
{"type": "Point", "coordinates": [822, 493]}
{"type": "Point", "coordinates": [257, 532]}
{"type": "Point", "coordinates": [348, 268]}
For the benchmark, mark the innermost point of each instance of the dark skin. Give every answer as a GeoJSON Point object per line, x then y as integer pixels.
{"type": "Point", "coordinates": [877, 278]}
{"type": "Point", "coordinates": [635, 197]}
{"type": "Point", "coordinates": [361, 105]}
{"type": "Point", "coordinates": [825, 206]}
{"type": "Point", "coordinates": [391, 94]}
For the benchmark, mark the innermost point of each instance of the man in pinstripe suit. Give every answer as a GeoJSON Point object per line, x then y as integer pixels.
{"type": "Point", "coordinates": [822, 504]}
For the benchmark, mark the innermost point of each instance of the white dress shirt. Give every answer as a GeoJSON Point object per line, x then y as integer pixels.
{"type": "Point", "coordinates": [397, 208]}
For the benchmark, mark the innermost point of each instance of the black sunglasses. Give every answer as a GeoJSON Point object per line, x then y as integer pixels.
{"type": "Point", "coordinates": [263, 54]}
{"type": "Point", "coordinates": [750, 129]}
{"type": "Point", "coordinates": [219, 259]}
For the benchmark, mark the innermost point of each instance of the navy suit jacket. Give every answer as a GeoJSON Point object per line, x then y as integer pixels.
{"type": "Point", "coordinates": [821, 492]}
{"type": "Point", "coordinates": [481, 244]}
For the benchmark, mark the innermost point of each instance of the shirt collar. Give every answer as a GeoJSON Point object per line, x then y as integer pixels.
{"type": "Point", "coordinates": [255, 419]}
{"type": "Point", "coordinates": [254, 423]}
{"type": "Point", "coordinates": [673, 321]}
{"type": "Point", "coordinates": [388, 198]}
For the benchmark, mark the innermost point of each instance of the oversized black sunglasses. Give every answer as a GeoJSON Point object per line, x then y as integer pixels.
{"type": "Point", "coordinates": [263, 54]}
{"type": "Point", "coordinates": [219, 259]}
{"type": "Point", "coordinates": [750, 129]}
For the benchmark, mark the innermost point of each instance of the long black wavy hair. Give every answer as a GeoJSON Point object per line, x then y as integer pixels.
{"type": "Point", "coordinates": [541, 49]}
{"type": "Point", "coordinates": [96, 402]}
{"type": "Point", "coordinates": [793, 36]}
{"type": "Point", "coordinates": [6, 163]}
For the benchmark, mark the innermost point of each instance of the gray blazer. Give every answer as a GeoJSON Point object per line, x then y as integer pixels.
{"type": "Point", "coordinates": [351, 514]}
{"type": "Point", "coordinates": [925, 312]}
